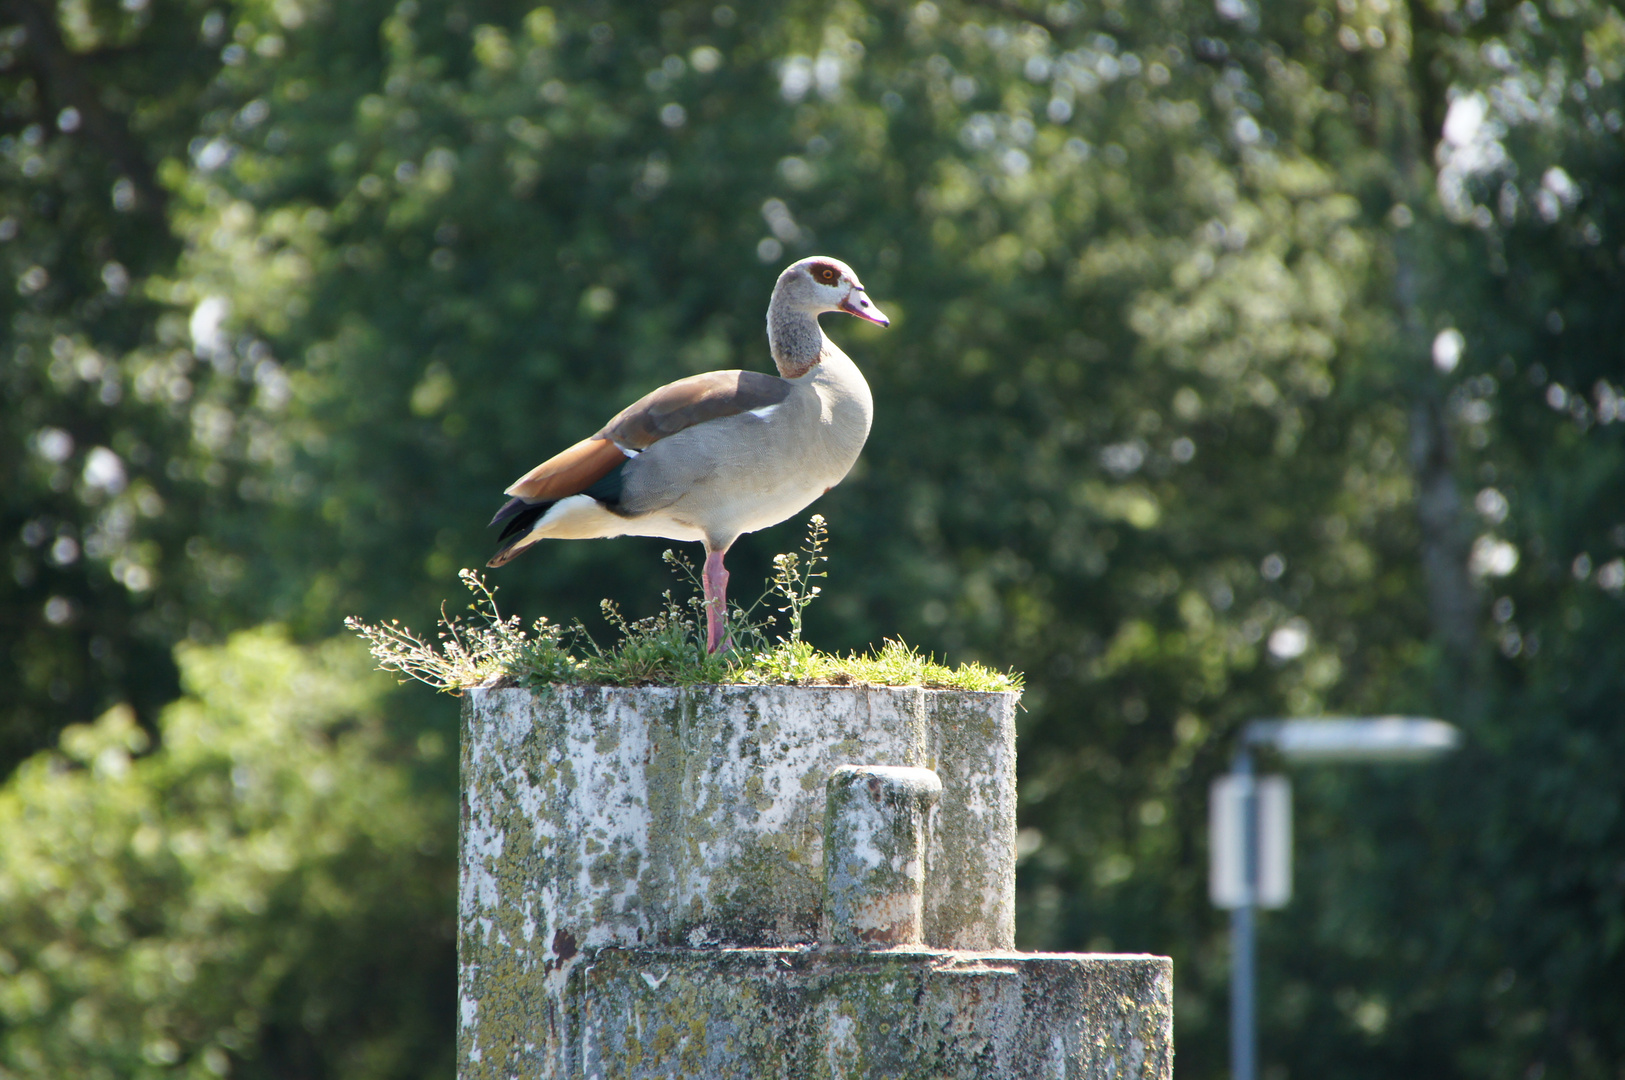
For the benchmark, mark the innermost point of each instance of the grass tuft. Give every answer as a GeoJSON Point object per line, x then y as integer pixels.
{"type": "Point", "coordinates": [895, 663]}
{"type": "Point", "coordinates": [486, 648]}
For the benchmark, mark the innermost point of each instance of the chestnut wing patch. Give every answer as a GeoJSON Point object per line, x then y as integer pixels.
{"type": "Point", "coordinates": [691, 401]}
{"type": "Point", "coordinates": [568, 472]}
{"type": "Point", "coordinates": [590, 463]}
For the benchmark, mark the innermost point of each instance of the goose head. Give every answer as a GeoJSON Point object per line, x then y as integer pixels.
{"type": "Point", "coordinates": [819, 283]}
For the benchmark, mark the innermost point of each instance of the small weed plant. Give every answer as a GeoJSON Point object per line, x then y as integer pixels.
{"type": "Point", "coordinates": [487, 648]}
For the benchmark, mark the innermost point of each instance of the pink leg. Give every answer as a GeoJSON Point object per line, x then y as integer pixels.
{"type": "Point", "coordinates": [715, 580]}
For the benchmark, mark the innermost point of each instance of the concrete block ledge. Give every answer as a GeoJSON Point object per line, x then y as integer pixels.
{"type": "Point", "coordinates": [818, 1014]}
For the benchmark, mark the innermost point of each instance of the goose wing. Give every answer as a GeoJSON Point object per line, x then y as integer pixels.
{"type": "Point", "coordinates": [694, 400]}
{"type": "Point", "coordinates": [675, 407]}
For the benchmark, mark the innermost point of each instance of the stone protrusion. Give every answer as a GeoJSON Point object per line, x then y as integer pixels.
{"type": "Point", "coordinates": [877, 823]}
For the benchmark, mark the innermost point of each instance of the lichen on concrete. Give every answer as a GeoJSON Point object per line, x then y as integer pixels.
{"type": "Point", "coordinates": [673, 829]}
{"type": "Point", "coordinates": [970, 896]}
{"type": "Point", "coordinates": [808, 1014]}
{"type": "Point", "coordinates": [578, 783]}
{"type": "Point", "coordinates": [877, 826]}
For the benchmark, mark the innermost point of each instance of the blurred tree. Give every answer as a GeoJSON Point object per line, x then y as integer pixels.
{"type": "Point", "coordinates": [1507, 931]}
{"type": "Point", "coordinates": [95, 501]}
{"type": "Point", "coordinates": [269, 894]}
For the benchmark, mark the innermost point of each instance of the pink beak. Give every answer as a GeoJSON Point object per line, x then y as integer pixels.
{"type": "Point", "coordinates": [858, 303]}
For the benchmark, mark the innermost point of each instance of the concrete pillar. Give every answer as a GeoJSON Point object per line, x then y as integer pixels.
{"type": "Point", "coordinates": [877, 823]}
{"type": "Point", "coordinates": [646, 873]}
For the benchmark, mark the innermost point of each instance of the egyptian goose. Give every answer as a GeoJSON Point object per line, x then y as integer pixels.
{"type": "Point", "coordinates": [714, 456]}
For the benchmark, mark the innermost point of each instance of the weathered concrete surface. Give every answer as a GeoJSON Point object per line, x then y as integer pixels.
{"type": "Point", "coordinates": [788, 1014]}
{"type": "Point", "coordinates": [642, 882]}
{"type": "Point", "coordinates": [877, 825]}
{"type": "Point", "coordinates": [597, 816]}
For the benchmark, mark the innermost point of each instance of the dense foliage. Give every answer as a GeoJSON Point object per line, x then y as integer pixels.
{"type": "Point", "coordinates": [265, 888]}
{"type": "Point", "coordinates": [1255, 359]}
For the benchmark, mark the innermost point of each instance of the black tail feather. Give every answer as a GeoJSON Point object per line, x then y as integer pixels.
{"type": "Point", "coordinates": [523, 518]}
{"type": "Point", "coordinates": [520, 517]}
{"type": "Point", "coordinates": [512, 507]}
{"type": "Point", "coordinates": [520, 521]}
{"type": "Point", "coordinates": [505, 552]}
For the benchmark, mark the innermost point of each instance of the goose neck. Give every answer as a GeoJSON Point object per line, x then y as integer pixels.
{"type": "Point", "coordinates": [795, 338]}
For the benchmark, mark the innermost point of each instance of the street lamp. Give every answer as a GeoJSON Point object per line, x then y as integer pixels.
{"type": "Point", "coordinates": [1250, 831]}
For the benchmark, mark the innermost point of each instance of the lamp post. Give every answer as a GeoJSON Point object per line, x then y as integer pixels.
{"type": "Point", "coordinates": [1250, 832]}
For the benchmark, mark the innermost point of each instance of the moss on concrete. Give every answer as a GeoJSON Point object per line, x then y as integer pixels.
{"type": "Point", "coordinates": [877, 828]}
{"type": "Point", "coordinates": [601, 826]}
{"type": "Point", "coordinates": [900, 1015]}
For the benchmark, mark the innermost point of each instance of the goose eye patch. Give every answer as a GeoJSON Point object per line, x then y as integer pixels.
{"type": "Point", "coordinates": [825, 274]}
